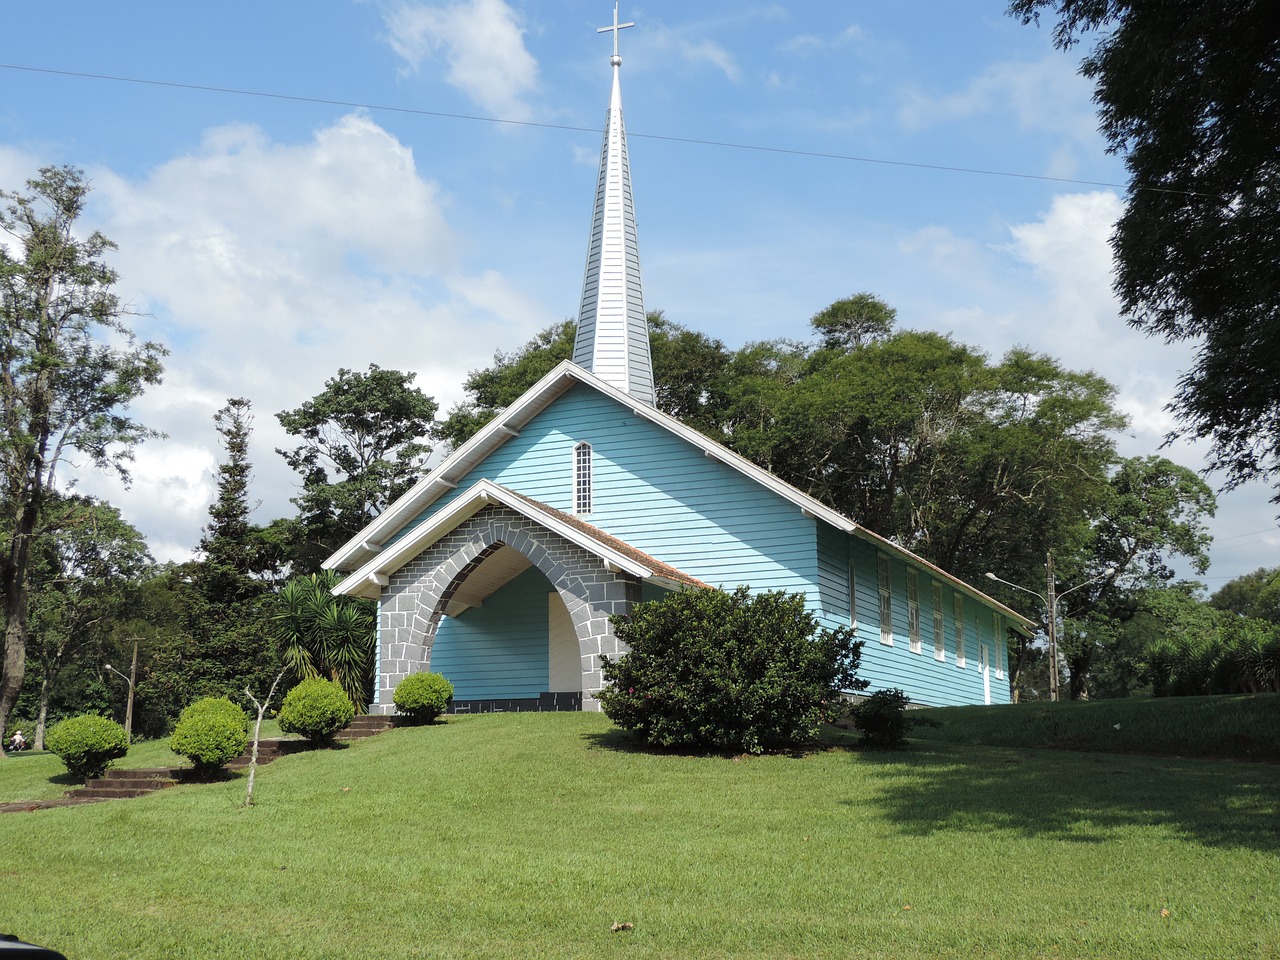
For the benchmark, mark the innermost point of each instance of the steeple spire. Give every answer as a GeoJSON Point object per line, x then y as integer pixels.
{"type": "Point", "coordinates": [613, 335]}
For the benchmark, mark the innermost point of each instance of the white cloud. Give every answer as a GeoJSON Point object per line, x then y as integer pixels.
{"type": "Point", "coordinates": [268, 266]}
{"type": "Point", "coordinates": [805, 44]}
{"type": "Point", "coordinates": [1044, 95]}
{"type": "Point", "coordinates": [483, 43]}
{"type": "Point", "coordinates": [696, 52]}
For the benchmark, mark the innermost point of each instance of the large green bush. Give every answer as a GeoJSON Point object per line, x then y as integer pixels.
{"type": "Point", "coordinates": [87, 744]}
{"type": "Point", "coordinates": [210, 733]}
{"type": "Point", "coordinates": [316, 709]}
{"type": "Point", "coordinates": [729, 672]}
{"type": "Point", "coordinates": [423, 696]}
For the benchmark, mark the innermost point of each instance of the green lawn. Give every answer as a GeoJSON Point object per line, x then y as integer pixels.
{"type": "Point", "coordinates": [528, 835]}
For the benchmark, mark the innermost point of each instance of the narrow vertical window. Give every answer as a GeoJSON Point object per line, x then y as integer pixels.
{"type": "Point", "coordinates": [997, 633]}
{"type": "Point", "coordinates": [853, 596]}
{"type": "Point", "coordinates": [582, 478]}
{"type": "Point", "coordinates": [939, 625]}
{"type": "Point", "coordinates": [958, 620]}
{"type": "Point", "coordinates": [886, 599]}
{"type": "Point", "coordinates": [913, 611]}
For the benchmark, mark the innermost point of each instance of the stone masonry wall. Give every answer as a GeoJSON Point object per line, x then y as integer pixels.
{"type": "Point", "coordinates": [415, 598]}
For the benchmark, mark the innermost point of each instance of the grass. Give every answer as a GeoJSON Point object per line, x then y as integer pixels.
{"type": "Point", "coordinates": [529, 835]}
{"type": "Point", "coordinates": [42, 776]}
{"type": "Point", "coordinates": [1236, 728]}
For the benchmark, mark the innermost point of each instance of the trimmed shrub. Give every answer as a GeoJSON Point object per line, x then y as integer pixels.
{"type": "Point", "coordinates": [87, 744]}
{"type": "Point", "coordinates": [728, 672]}
{"type": "Point", "coordinates": [423, 696]}
{"type": "Point", "coordinates": [316, 709]}
{"type": "Point", "coordinates": [883, 719]}
{"type": "Point", "coordinates": [210, 733]}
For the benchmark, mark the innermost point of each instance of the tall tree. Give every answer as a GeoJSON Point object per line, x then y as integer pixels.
{"type": "Point", "coordinates": [84, 585]}
{"type": "Point", "coordinates": [228, 550]}
{"type": "Point", "coordinates": [1189, 93]}
{"type": "Point", "coordinates": [69, 367]}
{"type": "Point", "coordinates": [222, 604]}
{"type": "Point", "coordinates": [364, 443]}
{"type": "Point", "coordinates": [1152, 510]}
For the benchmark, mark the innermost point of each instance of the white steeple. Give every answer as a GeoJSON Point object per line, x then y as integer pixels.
{"type": "Point", "coordinates": [613, 335]}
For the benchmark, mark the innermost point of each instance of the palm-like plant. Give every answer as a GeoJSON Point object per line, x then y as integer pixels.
{"type": "Point", "coordinates": [321, 635]}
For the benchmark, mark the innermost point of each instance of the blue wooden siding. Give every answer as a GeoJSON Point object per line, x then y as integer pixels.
{"type": "Point", "coordinates": [656, 492]}
{"type": "Point", "coordinates": [925, 679]}
{"type": "Point", "coordinates": [498, 650]}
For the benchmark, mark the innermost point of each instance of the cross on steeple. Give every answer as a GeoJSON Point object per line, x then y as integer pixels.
{"type": "Point", "coordinates": [615, 28]}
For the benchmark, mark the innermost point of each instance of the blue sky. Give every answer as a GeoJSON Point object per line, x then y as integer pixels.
{"type": "Point", "coordinates": [357, 218]}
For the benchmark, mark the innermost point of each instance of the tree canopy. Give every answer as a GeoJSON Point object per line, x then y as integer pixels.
{"type": "Point", "coordinates": [69, 367]}
{"type": "Point", "coordinates": [364, 442]}
{"type": "Point", "coordinates": [1189, 93]}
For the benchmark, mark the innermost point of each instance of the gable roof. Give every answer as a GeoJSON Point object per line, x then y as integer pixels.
{"type": "Point", "coordinates": [362, 550]}
{"type": "Point", "coordinates": [617, 556]}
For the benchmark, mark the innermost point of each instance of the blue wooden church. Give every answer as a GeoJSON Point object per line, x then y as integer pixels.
{"type": "Point", "coordinates": [502, 567]}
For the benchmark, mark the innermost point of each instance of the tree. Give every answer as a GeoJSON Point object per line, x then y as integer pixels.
{"type": "Point", "coordinates": [1189, 93]}
{"type": "Point", "coordinates": [688, 372]}
{"type": "Point", "coordinates": [324, 636]}
{"type": "Point", "coordinates": [364, 444]}
{"type": "Point", "coordinates": [1254, 595]}
{"type": "Point", "coordinates": [1154, 510]}
{"type": "Point", "coordinates": [229, 554]}
{"type": "Point", "coordinates": [222, 593]}
{"type": "Point", "coordinates": [69, 367]}
{"type": "Point", "coordinates": [84, 584]}
{"type": "Point", "coordinates": [854, 322]}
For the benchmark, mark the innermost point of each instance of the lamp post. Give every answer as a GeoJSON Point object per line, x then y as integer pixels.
{"type": "Point", "coordinates": [1051, 610]}
{"type": "Point", "coordinates": [133, 675]}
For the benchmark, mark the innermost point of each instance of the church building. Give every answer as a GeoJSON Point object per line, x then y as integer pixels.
{"type": "Point", "coordinates": [501, 568]}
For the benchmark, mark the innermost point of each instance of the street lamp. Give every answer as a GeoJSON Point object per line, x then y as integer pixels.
{"type": "Point", "coordinates": [133, 674]}
{"type": "Point", "coordinates": [1051, 610]}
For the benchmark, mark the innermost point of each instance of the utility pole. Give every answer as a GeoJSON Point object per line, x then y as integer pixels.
{"type": "Point", "coordinates": [1051, 604]}
{"type": "Point", "coordinates": [133, 676]}
{"type": "Point", "coordinates": [128, 711]}
{"type": "Point", "coordinates": [1050, 601]}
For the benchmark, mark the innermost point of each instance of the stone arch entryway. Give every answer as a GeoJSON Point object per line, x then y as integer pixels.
{"type": "Point", "coordinates": [418, 595]}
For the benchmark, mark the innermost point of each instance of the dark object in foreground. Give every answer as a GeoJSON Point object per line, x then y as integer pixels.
{"type": "Point", "coordinates": [11, 948]}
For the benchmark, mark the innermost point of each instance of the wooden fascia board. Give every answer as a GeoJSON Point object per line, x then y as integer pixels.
{"type": "Point", "coordinates": [481, 494]}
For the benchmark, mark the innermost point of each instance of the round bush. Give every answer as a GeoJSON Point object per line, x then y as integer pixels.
{"type": "Point", "coordinates": [210, 733]}
{"type": "Point", "coordinates": [729, 672]}
{"type": "Point", "coordinates": [423, 696]}
{"type": "Point", "coordinates": [87, 744]}
{"type": "Point", "coordinates": [316, 709]}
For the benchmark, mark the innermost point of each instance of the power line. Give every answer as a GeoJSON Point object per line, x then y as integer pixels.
{"type": "Point", "coordinates": [758, 148]}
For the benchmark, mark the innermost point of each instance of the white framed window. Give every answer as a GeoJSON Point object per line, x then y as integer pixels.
{"type": "Point", "coordinates": [939, 624]}
{"type": "Point", "coordinates": [957, 601]}
{"type": "Point", "coordinates": [997, 634]}
{"type": "Point", "coordinates": [886, 599]}
{"type": "Point", "coordinates": [853, 596]}
{"type": "Point", "coordinates": [913, 611]}
{"type": "Point", "coordinates": [582, 478]}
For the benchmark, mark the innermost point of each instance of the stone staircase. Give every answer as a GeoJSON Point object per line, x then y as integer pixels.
{"type": "Point", "coordinates": [120, 784]}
